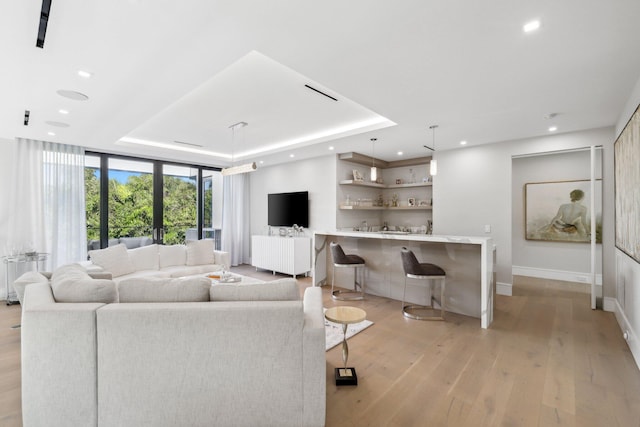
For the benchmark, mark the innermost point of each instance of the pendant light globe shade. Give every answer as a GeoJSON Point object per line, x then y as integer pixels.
{"type": "Point", "coordinates": [374, 174]}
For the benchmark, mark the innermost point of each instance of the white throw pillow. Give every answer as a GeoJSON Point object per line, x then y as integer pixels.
{"type": "Point", "coordinates": [71, 283]}
{"type": "Point", "coordinates": [153, 289]}
{"type": "Point", "coordinates": [200, 252]}
{"type": "Point", "coordinates": [26, 279]}
{"type": "Point", "coordinates": [171, 255]}
{"type": "Point", "coordinates": [113, 259]}
{"type": "Point", "coordinates": [145, 257]}
{"type": "Point", "coordinates": [276, 290]}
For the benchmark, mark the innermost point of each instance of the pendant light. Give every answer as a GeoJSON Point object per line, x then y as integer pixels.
{"type": "Point", "coordinates": [433, 164]}
{"type": "Point", "coordinates": [233, 170]}
{"type": "Point", "coordinates": [374, 170]}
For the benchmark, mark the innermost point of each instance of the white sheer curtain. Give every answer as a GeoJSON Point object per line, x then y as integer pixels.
{"type": "Point", "coordinates": [235, 218]}
{"type": "Point", "coordinates": [48, 198]}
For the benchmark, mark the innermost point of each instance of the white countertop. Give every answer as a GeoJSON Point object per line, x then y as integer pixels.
{"type": "Point", "coordinates": [473, 240]}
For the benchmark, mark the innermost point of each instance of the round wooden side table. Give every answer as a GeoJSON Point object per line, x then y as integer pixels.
{"type": "Point", "coordinates": [345, 316]}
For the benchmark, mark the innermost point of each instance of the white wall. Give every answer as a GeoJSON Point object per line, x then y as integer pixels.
{"type": "Point", "coordinates": [473, 189]}
{"type": "Point", "coordinates": [627, 303]}
{"type": "Point", "coordinates": [558, 260]}
{"type": "Point", "coordinates": [317, 176]}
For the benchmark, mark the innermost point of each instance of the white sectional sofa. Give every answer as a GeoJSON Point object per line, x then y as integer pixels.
{"type": "Point", "coordinates": [224, 355]}
{"type": "Point", "coordinates": [196, 257]}
{"type": "Point", "coordinates": [120, 263]}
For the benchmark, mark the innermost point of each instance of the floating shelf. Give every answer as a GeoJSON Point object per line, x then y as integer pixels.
{"type": "Point", "coordinates": [383, 186]}
{"type": "Point", "coordinates": [385, 208]}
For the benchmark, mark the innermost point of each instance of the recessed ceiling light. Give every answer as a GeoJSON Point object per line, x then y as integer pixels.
{"type": "Point", "coordinates": [400, 153]}
{"type": "Point", "coordinates": [553, 128]}
{"type": "Point", "coordinates": [463, 142]}
{"type": "Point", "coordinates": [292, 155]}
{"type": "Point", "coordinates": [531, 26]}
{"type": "Point", "coordinates": [62, 111]}
{"type": "Point", "coordinates": [331, 147]}
{"type": "Point", "coordinates": [51, 133]}
{"type": "Point", "coordinates": [85, 74]}
{"type": "Point", "coordinates": [261, 162]}
{"type": "Point", "coordinates": [72, 94]}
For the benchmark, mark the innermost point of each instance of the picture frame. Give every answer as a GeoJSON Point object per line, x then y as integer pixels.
{"type": "Point", "coordinates": [411, 202]}
{"type": "Point", "coordinates": [559, 211]}
{"type": "Point", "coordinates": [626, 155]}
{"type": "Point", "coordinates": [357, 176]}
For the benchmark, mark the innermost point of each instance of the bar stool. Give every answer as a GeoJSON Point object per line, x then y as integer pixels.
{"type": "Point", "coordinates": [423, 271]}
{"type": "Point", "coordinates": [341, 260]}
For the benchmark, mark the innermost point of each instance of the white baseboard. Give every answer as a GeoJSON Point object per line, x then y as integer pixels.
{"type": "Point", "coordinates": [631, 337]}
{"type": "Point", "coordinates": [504, 289]}
{"type": "Point", "coordinates": [609, 304]}
{"type": "Point", "coordinates": [544, 273]}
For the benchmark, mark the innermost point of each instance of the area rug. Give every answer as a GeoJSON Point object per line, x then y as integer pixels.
{"type": "Point", "coordinates": [334, 331]}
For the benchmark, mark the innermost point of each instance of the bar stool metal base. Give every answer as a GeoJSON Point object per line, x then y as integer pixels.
{"type": "Point", "coordinates": [348, 294]}
{"type": "Point", "coordinates": [412, 311]}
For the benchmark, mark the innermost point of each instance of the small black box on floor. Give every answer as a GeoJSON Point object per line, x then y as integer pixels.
{"type": "Point", "coordinates": [346, 376]}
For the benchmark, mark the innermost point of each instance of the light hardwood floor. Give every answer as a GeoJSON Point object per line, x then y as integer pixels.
{"type": "Point", "coordinates": [547, 360]}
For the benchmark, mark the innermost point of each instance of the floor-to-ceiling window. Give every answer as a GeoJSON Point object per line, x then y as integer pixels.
{"type": "Point", "coordinates": [139, 201]}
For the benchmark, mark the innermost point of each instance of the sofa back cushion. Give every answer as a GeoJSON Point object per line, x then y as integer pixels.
{"type": "Point", "coordinates": [145, 258]}
{"type": "Point", "coordinates": [200, 252]}
{"type": "Point", "coordinates": [276, 290]}
{"type": "Point", "coordinates": [156, 289]}
{"type": "Point", "coordinates": [71, 283]}
{"type": "Point", "coordinates": [170, 255]}
{"type": "Point", "coordinates": [114, 259]}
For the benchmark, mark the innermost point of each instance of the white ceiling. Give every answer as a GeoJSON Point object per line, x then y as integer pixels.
{"type": "Point", "coordinates": [186, 71]}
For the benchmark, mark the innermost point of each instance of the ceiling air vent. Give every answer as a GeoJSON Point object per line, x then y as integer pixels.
{"type": "Point", "coordinates": [320, 92]}
{"type": "Point", "coordinates": [188, 143]}
{"type": "Point", "coordinates": [44, 20]}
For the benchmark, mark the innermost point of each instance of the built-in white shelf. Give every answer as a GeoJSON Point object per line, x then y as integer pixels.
{"type": "Point", "coordinates": [384, 208]}
{"type": "Point", "coordinates": [383, 186]}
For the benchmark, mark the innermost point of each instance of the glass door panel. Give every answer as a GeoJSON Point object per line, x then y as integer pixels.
{"type": "Point", "coordinates": [130, 202]}
{"type": "Point", "coordinates": [92, 200]}
{"type": "Point", "coordinates": [212, 206]}
{"type": "Point", "coordinates": [180, 204]}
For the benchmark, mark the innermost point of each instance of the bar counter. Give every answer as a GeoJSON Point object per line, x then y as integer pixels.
{"type": "Point", "coordinates": [467, 260]}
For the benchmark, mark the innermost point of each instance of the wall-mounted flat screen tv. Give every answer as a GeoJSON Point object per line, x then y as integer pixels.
{"type": "Point", "coordinates": [287, 209]}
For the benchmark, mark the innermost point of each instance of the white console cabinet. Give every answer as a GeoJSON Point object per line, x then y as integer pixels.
{"type": "Point", "coordinates": [288, 255]}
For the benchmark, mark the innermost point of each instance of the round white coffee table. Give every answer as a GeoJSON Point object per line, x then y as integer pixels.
{"type": "Point", "coordinates": [345, 316]}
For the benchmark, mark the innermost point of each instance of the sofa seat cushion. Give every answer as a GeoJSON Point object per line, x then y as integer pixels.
{"type": "Point", "coordinates": [143, 273]}
{"type": "Point", "coordinates": [200, 252]}
{"type": "Point", "coordinates": [114, 259]}
{"type": "Point", "coordinates": [156, 289]}
{"type": "Point", "coordinates": [71, 283]}
{"type": "Point", "coordinates": [190, 270]}
{"type": "Point", "coordinates": [276, 290]}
